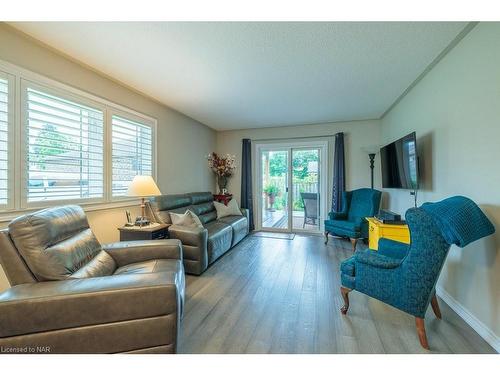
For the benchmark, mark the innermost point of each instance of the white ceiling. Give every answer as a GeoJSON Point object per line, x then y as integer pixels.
{"type": "Point", "coordinates": [255, 74]}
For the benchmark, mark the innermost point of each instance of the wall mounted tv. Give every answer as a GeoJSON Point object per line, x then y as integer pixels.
{"type": "Point", "coordinates": [400, 164]}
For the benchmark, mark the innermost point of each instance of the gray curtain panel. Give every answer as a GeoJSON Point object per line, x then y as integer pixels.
{"type": "Point", "coordinates": [246, 179]}
{"type": "Point", "coordinates": [338, 173]}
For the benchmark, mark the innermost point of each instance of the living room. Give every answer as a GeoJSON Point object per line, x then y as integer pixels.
{"type": "Point", "coordinates": [249, 187]}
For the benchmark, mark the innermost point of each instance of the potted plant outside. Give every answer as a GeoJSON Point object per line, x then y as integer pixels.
{"type": "Point", "coordinates": [271, 192]}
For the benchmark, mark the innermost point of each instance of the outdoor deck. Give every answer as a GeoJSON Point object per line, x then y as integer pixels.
{"type": "Point", "coordinates": [278, 219]}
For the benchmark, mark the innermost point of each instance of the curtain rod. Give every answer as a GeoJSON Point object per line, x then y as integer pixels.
{"type": "Point", "coordinates": [289, 138]}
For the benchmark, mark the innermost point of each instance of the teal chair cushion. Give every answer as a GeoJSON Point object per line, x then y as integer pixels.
{"type": "Point", "coordinates": [344, 225]}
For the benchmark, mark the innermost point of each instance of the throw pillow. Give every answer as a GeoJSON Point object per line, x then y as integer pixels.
{"type": "Point", "coordinates": [187, 219]}
{"type": "Point", "coordinates": [231, 209]}
{"type": "Point", "coordinates": [196, 219]}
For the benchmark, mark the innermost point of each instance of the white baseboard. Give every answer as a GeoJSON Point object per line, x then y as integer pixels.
{"type": "Point", "coordinates": [487, 334]}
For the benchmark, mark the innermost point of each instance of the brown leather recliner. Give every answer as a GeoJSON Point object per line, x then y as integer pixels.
{"type": "Point", "coordinates": [201, 246]}
{"type": "Point", "coordinates": [69, 294]}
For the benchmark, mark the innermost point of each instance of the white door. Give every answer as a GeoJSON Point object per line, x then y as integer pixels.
{"type": "Point", "coordinates": [291, 186]}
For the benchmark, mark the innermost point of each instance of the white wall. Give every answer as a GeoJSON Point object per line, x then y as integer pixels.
{"type": "Point", "coordinates": [357, 135]}
{"type": "Point", "coordinates": [455, 111]}
{"type": "Point", "coordinates": [183, 143]}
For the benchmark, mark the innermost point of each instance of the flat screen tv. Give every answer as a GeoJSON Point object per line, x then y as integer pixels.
{"type": "Point", "coordinates": [400, 164]}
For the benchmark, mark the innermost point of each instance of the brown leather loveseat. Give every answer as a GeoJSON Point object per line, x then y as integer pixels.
{"type": "Point", "coordinates": [69, 294]}
{"type": "Point", "coordinates": [201, 246]}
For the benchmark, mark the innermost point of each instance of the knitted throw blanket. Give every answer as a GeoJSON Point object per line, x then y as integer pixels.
{"type": "Point", "coordinates": [460, 220]}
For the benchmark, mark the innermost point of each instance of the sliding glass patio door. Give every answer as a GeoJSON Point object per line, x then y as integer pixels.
{"type": "Point", "coordinates": [305, 189]}
{"type": "Point", "coordinates": [274, 189]}
{"type": "Point", "coordinates": [290, 187]}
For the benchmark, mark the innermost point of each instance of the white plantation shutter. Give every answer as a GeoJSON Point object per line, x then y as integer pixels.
{"type": "Point", "coordinates": [64, 149]}
{"type": "Point", "coordinates": [132, 152]}
{"type": "Point", "coordinates": [4, 144]}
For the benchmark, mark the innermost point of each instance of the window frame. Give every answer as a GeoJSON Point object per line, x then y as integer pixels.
{"type": "Point", "coordinates": [11, 139]}
{"type": "Point", "coordinates": [109, 130]}
{"type": "Point", "coordinates": [25, 85]}
{"type": "Point", "coordinates": [19, 79]}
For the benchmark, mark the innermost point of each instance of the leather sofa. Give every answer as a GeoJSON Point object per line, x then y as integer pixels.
{"type": "Point", "coordinates": [69, 294]}
{"type": "Point", "coordinates": [201, 246]}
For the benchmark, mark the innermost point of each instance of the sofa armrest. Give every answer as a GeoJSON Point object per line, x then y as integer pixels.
{"type": "Point", "coordinates": [371, 258]}
{"type": "Point", "coordinates": [245, 212]}
{"type": "Point", "coordinates": [55, 305]}
{"type": "Point", "coordinates": [128, 252]}
{"type": "Point", "coordinates": [392, 249]}
{"type": "Point", "coordinates": [189, 236]}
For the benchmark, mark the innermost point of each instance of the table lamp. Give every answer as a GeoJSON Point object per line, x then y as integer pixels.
{"type": "Point", "coordinates": [143, 186]}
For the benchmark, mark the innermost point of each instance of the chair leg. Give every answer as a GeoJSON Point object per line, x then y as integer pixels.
{"type": "Point", "coordinates": [354, 241]}
{"type": "Point", "coordinates": [435, 306]}
{"type": "Point", "coordinates": [421, 333]}
{"type": "Point", "coordinates": [326, 237]}
{"type": "Point", "coordinates": [345, 295]}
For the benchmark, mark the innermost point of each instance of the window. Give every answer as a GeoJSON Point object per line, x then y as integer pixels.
{"type": "Point", "coordinates": [4, 141]}
{"type": "Point", "coordinates": [132, 152]}
{"type": "Point", "coordinates": [60, 145]}
{"type": "Point", "coordinates": [64, 149]}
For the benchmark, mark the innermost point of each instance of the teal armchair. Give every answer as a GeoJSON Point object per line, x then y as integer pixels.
{"type": "Point", "coordinates": [351, 221]}
{"type": "Point", "coordinates": [405, 276]}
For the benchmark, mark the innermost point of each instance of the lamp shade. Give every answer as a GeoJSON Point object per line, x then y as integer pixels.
{"type": "Point", "coordinates": [371, 149]}
{"type": "Point", "coordinates": [143, 186]}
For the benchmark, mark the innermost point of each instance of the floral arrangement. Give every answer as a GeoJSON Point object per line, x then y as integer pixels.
{"type": "Point", "coordinates": [222, 166]}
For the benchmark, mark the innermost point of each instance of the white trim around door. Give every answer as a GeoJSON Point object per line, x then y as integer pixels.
{"type": "Point", "coordinates": [289, 146]}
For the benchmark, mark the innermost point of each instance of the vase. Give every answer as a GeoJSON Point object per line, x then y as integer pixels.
{"type": "Point", "coordinates": [222, 183]}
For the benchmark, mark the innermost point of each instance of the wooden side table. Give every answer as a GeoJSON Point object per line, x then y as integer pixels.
{"type": "Point", "coordinates": [377, 230]}
{"type": "Point", "coordinates": [223, 198]}
{"type": "Point", "coordinates": [150, 232]}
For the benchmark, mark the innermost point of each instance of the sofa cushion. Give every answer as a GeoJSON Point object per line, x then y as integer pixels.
{"type": "Point", "coordinates": [201, 197]}
{"type": "Point", "coordinates": [343, 224]}
{"type": "Point", "coordinates": [205, 211]}
{"type": "Point", "coordinates": [200, 203]}
{"type": "Point", "coordinates": [56, 242]}
{"type": "Point", "coordinates": [161, 206]}
{"type": "Point", "coordinates": [150, 266]}
{"type": "Point", "coordinates": [203, 208]}
{"type": "Point", "coordinates": [208, 217]}
{"type": "Point", "coordinates": [239, 224]}
{"type": "Point", "coordinates": [220, 237]}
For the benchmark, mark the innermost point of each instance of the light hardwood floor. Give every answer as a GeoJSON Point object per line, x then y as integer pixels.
{"type": "Point", "coordinates": [282, 296]}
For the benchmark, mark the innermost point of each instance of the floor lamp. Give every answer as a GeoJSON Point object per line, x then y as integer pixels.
{"type": "Point", "coordinates": [372, 165]}
{"type": "Point", "coordinates": [371, 151]}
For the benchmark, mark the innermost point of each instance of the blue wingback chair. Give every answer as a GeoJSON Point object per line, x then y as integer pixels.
{"type": "Point", "coordinates": [405, 276]}
{"type": "Point", "coordinates": [350, 222]}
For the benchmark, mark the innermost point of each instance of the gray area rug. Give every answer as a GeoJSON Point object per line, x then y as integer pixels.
{"type": "Point", "coordinates": [280, 236]}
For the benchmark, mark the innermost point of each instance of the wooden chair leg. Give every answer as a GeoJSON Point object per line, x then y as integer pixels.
{"type": "Point", "coordinates": [326, 237]}
{"type": "Point", "coordinates": [354, 241]}
{"type": "Point", "coordinates": [435, 306]}
{"type": "Point", "coordinates": [421, 333]}
{"type": "Point", "coordinates": [345, 295]}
